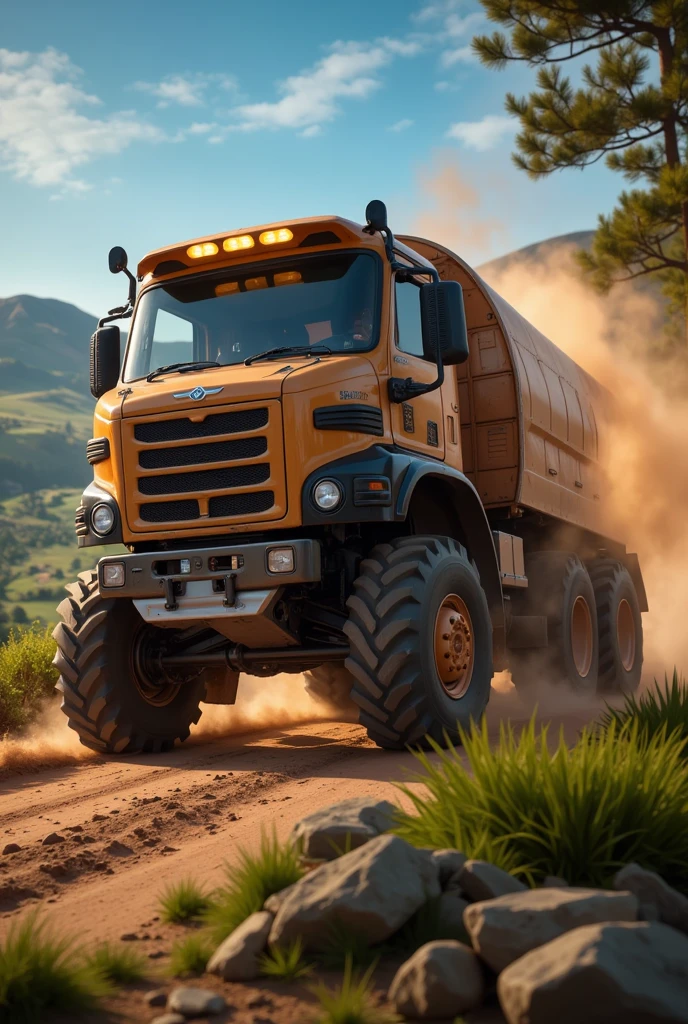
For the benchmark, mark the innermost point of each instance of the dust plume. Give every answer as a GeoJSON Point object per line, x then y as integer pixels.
{"type": "Point", "coordinates": [47, 743]}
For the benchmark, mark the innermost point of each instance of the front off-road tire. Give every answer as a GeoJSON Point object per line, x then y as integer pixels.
{"type": "Point", "coordinates": [111, 707]}
{"type": "Point", "coordinates": [331, 685]}
{"type": "Point", "coordinates": [620, 627]}
{"type": "Point", "coordinates": [417, 604]}
{"type": "Point", "coordinates": [560, 588]}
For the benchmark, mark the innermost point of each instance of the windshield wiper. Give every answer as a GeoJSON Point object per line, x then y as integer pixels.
{"type": "Point", "coordinates": [290, 350]}
{"type": "Point", "coordinates": [182, 368]}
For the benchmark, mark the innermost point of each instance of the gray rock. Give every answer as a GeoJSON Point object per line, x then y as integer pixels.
{"type": "Point", "coordinates": [274, 902]}
{"type": "Point", "coordinates": [12, 848]}
{"type": "Point", "coordinates": [344, 826]}
{"type": "Point", "coordinates": [195, 1002]}
{"type": "Point", "coordinates": [372, 891]}
{"type": "Point", "coordinates": [601, 974]}
{"type": "Point", "coordinates": [481, 880]}
{"type": "Point", "coordinates": [236, 959]}
{"type": "Point", "coordinates": [504, 929]}
{"type": "Point", "coordinates": [156, 997]}
{"type": "Point", "coordinates": [53, 838]}
{"type": "Point", "coordinates": [169, 1018]}
{"type": "Point", "coordinates": [450, 915]}
{"type": "Point", "coordinates": [554, 882]}
{"type": "Point", "coordinates": [658, 901]}
{"type": "Point", "coordinates": [441, 979]}
{"type": "Point", "coordinates": [450, 863]}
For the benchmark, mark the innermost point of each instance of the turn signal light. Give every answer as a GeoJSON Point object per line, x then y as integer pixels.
{"type": "Point", "coordinates": [238, 242]}
{"type": "Point", "coordinates": [202, 249]}
{"type": "Point", "coordinates": [272, 237]}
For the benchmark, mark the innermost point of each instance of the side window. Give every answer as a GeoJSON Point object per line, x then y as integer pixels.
{"type": "Point", "coordinates": [173, 340]}
{"type": "Point", "coordinates": [409, 336]}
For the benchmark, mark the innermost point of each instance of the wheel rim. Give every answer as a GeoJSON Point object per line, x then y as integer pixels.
{"type": "Point", "coordinates": [454, 646]}
{"type": "Point", "coordinates": [581, 636]}
{"type": "Point", "coordinates": [156, 688]}
{"type": "Point", "coordinates": [625, 634]}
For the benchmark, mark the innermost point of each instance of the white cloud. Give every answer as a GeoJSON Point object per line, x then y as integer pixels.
{"type": "Point", "coordinates": [311, 131]}
{"type": "Point", "coordinates": [436, 10]}
{"type": "Point", "coordinates": [461, 55]}
{"type": "Point", "coordinates": [185, 90]}
{"type": "Point", "coordinates": [313, 97]}
{"type": "Point", "coordinates": [201, 128]}
{"type": "Point", "coordinates": [401, 126]}
{"type": "Point", "coordinates": [484, 134]}
{"type": "Point", "coordinates": [43, 135]}
{"type": "Point", "coordinates": [456, 26]}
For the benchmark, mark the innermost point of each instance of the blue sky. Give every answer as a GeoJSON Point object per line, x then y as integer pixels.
{"type": "Point", "coordinates": [149, 123]}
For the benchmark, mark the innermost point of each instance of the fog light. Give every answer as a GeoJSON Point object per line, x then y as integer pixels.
{"type": "Point", "coordinates": [113, 574]}
{"type": "Point", "coordinates": [185, 565]}
{"type": "Point", "coordinates": [102, 519]}
{"type": "Point", "coordinates": [327, 495]}
{"type": "Point", "coordinates": [281, 560]}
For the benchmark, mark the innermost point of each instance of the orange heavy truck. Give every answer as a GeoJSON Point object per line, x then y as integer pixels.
{"type": "Point", "coordinates": [333, 451]}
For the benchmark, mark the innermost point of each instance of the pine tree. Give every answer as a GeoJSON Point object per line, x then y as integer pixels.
{"type": "Point", "coordinates": [630, 109]}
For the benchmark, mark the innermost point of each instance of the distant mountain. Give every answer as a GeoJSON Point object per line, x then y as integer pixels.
{"type": "Point", "coordinates": [538, 252]}
{"type": "Point", "coordinates": [45, 333]}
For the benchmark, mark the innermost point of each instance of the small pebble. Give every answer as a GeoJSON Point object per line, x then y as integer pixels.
{"type": "Point", "coordinates": [156, 997]}
{"type": "Point", "coordinates": [169, 1018]}
{"type": "Point", "coordinates": [12, 848]}
{"type": "Point", "coordinates": [129, 937]}
{"type": "Point", "coordinates": [99, 817]}
{"type": "Point", "coordinates": [53, 838]}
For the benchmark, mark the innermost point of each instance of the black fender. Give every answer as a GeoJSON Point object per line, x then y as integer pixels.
{"type": "Point", "coordinates": [475, 527]}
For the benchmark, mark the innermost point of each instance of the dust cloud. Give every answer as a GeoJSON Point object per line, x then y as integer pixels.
{"type": "Point", "coordinates": [47, 743]}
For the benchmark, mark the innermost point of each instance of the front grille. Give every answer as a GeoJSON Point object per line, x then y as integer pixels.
{"type": "Point", "coordinates": [359, 419]}
{"type": "Point", "coordinates": [205, 479]}
{"type": "Point", "coordinates": [169, 511]}
{"type": "Point", "coordinates": [216, 424]}
{"type": "Point", "coordinates": [203, 467]}
{"type": "Point", "coordinates": [192, 454]}
{"type": "Point", "coordinates": [241, 504]}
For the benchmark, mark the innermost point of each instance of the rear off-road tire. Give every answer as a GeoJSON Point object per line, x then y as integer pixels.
{"type": "Point", "coordinates": [560, 588]}
{"type": "Point", "coordinates": [418, 604]}
{"type": "Point", "coordinates": [331, 685]}
{"type": "Point", "coordinates": [619, 626]}
{"type": "Point", "coordinates": [103, 694]}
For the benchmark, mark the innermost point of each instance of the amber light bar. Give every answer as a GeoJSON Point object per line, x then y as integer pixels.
{"type": "Point", "coordinates": [235, 243]}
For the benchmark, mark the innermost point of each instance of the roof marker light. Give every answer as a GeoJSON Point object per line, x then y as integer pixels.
{"type": "Point", "coordinates": [272, 237]}
{"type": "Point", "coordinates": [202, 249]}
{"type": "Point", "coordinates": [237, 242]}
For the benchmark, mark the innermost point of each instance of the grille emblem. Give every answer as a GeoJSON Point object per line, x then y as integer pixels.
{"type": "Point", "coordinates": [197, 394]}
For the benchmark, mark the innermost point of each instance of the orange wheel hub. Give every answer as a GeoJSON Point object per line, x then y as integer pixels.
{"type": "Point", "coordinates": [582, 641]}
{"type": "Point", "coordinates": [454, 646]}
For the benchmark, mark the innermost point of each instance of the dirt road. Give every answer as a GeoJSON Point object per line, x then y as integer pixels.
{"type": "Point", "coordinates": [100, 839]}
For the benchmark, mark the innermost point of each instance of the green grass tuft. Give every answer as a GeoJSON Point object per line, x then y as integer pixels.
{"type": "Point", "coordinates": [664, 708]}
{"type": "Point", "coordinates": [119, 965]}
{"type": "Point", "coordinates": [183, 901]}
{"type": "Point", "coordinates": [581, 812]}
{"type": "Point", "coordinates": [189, 956]}
{"type": "Point", "coordinates": [250, 882]}
{"type": "Point", "coordinates": [285, 962]}
{"type": "Point", "coordinates": [351, 1003]}
{"type": "Point", "coordinates": [40, 975]}
{"type": "Point", "coordinates": [346, 945]}
{"type": "Point", "coordinates": [27, 676]}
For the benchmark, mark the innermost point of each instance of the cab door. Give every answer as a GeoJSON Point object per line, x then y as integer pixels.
{"type": "Point", "coordinates": [418, 423]}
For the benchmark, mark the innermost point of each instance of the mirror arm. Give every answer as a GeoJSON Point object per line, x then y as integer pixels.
{"type": "Point", "coordinates": [123, 313]}
{"type": "Point", "coordinates": [132, 287]}
{"type": "Point", "coordinates": [401, 389]}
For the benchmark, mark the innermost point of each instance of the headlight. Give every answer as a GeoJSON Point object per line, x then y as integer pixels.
{"type": "Point", "coordinates": [328, 495]}
{"type": "Point", "coordinates": [281, 560]}
{"type": "Point", "coordinates": [102, 519]}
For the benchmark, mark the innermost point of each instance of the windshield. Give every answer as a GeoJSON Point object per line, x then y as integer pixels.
{"type": "Point", "coordinates": [328, 300]}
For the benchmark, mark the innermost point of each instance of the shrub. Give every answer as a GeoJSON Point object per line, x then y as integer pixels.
{"type": "Point", "coordinates": [40, 974]}
{"type": "Point", "coordinates": [183, 902]}
{"type": "Point", "coordinates": [285, 962]}
{"type": "Point", "coordinates": [250, 882]}
{"type": "Point", "coordinates": [662, 708]}
{"type": "Point", "coordinates": [27, 676]}
{"type": "Point", "coordinates": [118, 965]}
{"type": "Point", "coordinates": [351, 1003]}
{"type": "Point", "coordinates": [580, 813]}
{"type": "Point", "coordinates": [189, 956]}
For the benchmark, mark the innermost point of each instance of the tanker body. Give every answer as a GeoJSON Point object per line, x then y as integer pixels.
{"type": "Point", "coordinates": [335, 452]}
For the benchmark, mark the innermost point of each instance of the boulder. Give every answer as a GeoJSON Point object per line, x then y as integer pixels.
{"type": "Point", "coordinates": [626, 973]}
{"type": "Point", "coordinates": [441, 979]}
{"type": "Point", "coordinates": [504, 929]}
{"type": "Point", "coordinates": [371, 891]}
{"type": "Point", "coordinates": [274, 902]}
{"type": "Point", "coordinates": [450, 863]}
{"type": "Point", "coordinates": [236, 959]}
{"type": "Point", "coordinates": [342, 827]}
{"type": "Point", "coordinates": [658, 901]}
{"type": "Point", "coordinates": [195, 1002]}
{"type": "Point", "coordinates": [554, 882]}
{"type": "Point", "coordinates": [450, 915]}
{"type": "Point", "coordinates": [481, 880]}
{"type": "Point", "coordinates": [169, 1018]}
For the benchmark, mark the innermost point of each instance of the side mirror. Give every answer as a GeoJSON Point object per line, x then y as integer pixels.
{"type": "Point", "coordinates": [443, 322]}
{"type": "Point", "coordinates": [117, 259]}
{"type": "Point", "coordinates": [376, 215]}
{"type": "Point", "coordinates": [104, 360]}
